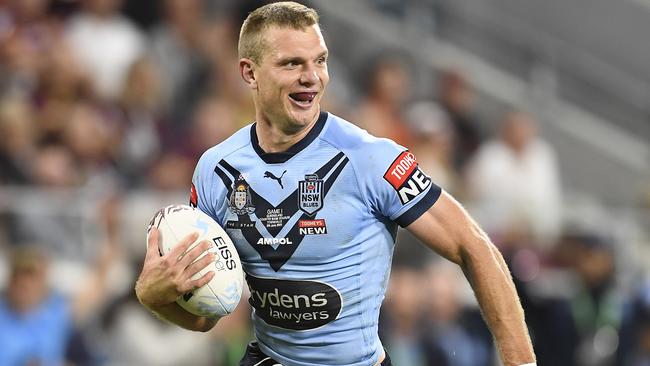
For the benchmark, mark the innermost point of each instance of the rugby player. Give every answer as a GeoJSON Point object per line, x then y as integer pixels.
{"type": "Point", "coordinates": [313, 204]}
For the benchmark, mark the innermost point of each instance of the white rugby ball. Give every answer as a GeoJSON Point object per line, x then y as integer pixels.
{"type": "Point", "coordinates": [220, 296]}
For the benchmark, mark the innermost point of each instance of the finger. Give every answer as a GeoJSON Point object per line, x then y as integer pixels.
{"type": "Point", "coordinates": [197, 266]}
{"type": "Point", "coordinates": [152, 243]}
{"type": "Point", "coordinates": [194, 253]}
{"type": "Point", "coordinates": [192, 285]}
{"type": "Point", "coordinates": [182, 245]}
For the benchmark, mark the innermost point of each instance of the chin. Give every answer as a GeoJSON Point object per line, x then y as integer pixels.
{"type": "Point", "coordinates": [294, 121]}
{"type": "Point", "coordinates": [305, 117]}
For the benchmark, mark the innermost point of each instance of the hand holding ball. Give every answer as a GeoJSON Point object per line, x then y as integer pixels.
{"type": "Point", "coordinates": [222, 293]}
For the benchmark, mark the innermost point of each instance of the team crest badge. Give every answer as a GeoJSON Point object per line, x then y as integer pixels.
{"type": "Point", "coordinates": [310, 194]}
{"type": "Point", "coordinates": [240, 199]}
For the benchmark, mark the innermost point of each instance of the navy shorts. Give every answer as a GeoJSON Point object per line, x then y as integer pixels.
{"type": "Point", "coordinates": [255, 357]}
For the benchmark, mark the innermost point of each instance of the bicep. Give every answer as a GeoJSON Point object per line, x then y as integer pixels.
{"type": "Point", "coordinates": [449, 230]}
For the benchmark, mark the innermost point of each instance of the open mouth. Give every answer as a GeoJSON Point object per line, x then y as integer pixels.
{"type": "Point", "coordinates": [304, 99]}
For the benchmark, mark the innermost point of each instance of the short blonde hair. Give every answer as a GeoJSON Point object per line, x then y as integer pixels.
{"type": "Point", "coordinates": [281, 14]}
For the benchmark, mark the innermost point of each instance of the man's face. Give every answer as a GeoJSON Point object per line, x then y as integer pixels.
{"type": "Point", "coordinates": [27, 286]}
{"type": "Point", "coordinates": [291, 76]}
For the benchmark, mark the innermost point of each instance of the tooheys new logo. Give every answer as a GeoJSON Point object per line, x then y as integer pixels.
{"type": "Point", "coordinates": [295, 305]}
{"type": "Point", "coordinates": [406, 177]}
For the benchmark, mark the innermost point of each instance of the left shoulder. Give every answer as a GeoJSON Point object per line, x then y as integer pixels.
{"type": "Point", "coordinates": [357, 143]}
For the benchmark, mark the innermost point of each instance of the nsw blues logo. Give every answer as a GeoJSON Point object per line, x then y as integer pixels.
{"type": "Point", "coordinates": [240, 201]}
{"type": "Point", "coordinates": [310, 194]}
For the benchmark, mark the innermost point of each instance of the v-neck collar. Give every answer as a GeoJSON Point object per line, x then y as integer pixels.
{"type": "Point", "coordinates": [281, 157]}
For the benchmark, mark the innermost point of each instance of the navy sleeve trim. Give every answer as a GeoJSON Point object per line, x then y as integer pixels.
{"type": "Point", "coordinates": [420, 207]}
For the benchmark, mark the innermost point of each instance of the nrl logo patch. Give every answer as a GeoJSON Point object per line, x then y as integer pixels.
{"type": "Point", "coordinates": [240, 199]}
{"type": "Point", "coordinates": [310, 194]}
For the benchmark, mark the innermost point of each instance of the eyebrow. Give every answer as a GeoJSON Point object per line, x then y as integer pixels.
{"type": "Point", "coordinates": [298, 59]}
{"type": "Point", "coordinates": [286, 60]}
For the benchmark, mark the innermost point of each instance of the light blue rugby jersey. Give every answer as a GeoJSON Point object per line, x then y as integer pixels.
{"type": "Point", "coordinates": [315, 228]}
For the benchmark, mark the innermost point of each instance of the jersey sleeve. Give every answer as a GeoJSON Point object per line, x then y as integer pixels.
{"type": "Point", "coordinates": [394, 184]}
{"type": "Point", "coordinates": [203, 193]}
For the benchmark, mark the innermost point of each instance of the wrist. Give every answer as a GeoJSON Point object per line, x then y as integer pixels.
{"type": "Point", "coordinates": [143, 297]}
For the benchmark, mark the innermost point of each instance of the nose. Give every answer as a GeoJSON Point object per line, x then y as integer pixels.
{"type": "Point", "coordinates": [309, 75]}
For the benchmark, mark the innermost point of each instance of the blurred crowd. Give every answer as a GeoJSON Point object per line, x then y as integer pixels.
{"type": "Point", "coordinates": [102, 98]}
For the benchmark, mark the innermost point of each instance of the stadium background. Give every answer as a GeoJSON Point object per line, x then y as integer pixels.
{"type": "Point", "coordinates": [534, 114]}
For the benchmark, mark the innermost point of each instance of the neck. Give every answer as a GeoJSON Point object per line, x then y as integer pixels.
{"type": "Point", "coordinates": [277, 136]}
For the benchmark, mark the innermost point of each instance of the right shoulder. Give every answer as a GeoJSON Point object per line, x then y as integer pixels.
{"type": "Point", "coordinates": [206, 191]}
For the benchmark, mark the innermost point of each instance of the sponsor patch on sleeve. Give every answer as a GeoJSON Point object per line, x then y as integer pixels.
{"type": "Point", "coordinates": [194, 197]}
{"type": "Point", "coordinates": [406, 178]}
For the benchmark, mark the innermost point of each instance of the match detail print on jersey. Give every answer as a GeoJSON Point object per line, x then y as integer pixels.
{"type": "Point", "coordinates": [405, 176]}
{"type": "Point", "coordinates": [256, 215]}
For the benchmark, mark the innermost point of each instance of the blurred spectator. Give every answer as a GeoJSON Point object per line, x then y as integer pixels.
{"type": "Point", "coordinates": [106, 43]}
{"type": "Point", "coordinates": [36, 322]}
{"type": "Point", "coordinates": [232, 334]}
{"type": "Point", "coordinates": [141, 121]}
{"type": "Point", "coordinates": [220, 44]}
{"type": "Point", "coordinates": [133, 336]}
{"type": "Point", "coordinates": [177, 47]}
{"type": "Point", "coordinates": [213, 122]}
{"type": "Point", "coordinates": [381, 108]}
{"type": "Point", "coordinates": [91, 138]}
{"type": "Point", "coordinates": [35, 325]}
{"type": "Point", "coordinates": [433, 142]}
{"type": "Point", "coordinates": [424, 320]}
{"type": "Point", "coordinates": [514, 183]}
{"type": "Point", "coordinates": [62, 84]}
{"type": "Point", "coordinates": [402, 316]}
{"type": "Point", "coordinates": [54, 167]}
{"type": "Point", "coordinates": [454, 335]}
{"type": "Point", "coordinates": [456, 97]}
{"type": "Point", "coordinates": [634, 347]}
{"type": "Point", "coordinates": [171, 171]}
{"type": "Point", "coordinates": [17, 146]}
{"type": "Point", "coordinates": [26, 31]}
{"type": "Point", "coordinates": [24, 15]}
{"type": "Point", "coordinates": [596, 306]}
{"type": "Point", "coordinates": [578, 325]}
{"type": "Point", "coordinates": [19, 65]}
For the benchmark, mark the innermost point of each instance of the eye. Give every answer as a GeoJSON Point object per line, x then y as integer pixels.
{"type": "Point", "coordinates": [291, 64]}
{"type": "Point", "coordinates": [321, 60]}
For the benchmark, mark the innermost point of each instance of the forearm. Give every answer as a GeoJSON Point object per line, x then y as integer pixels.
{"type": "Point", "coordinates": [164, 278]}
{"type": "Point", "coordinates": [175, 314]}
{"type": "Point", "coordinates": [490, 278]}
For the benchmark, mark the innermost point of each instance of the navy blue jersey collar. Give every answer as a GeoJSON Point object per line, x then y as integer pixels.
{"type": "Point", "coordinates": [281, 157]}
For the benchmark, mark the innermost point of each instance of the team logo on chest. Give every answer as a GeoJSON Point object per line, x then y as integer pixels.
{"type": "Point", "coordinates": [310, 194]}
{"type": "Point", "coordinates": [279, 228]}
{"type": "Point", "coordinates": [240, 201]}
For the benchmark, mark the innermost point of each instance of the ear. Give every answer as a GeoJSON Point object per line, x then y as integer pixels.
{"type": "Point", "coordinates": [247, 72]}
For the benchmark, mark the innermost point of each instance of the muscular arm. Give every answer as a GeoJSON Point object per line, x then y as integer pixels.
{"type": "Point", "coordinates": [165, 278]}
{"type": "Point", "coordinates": [447, 228]}
{"type": "Point", "coordinates": [175, 314]}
